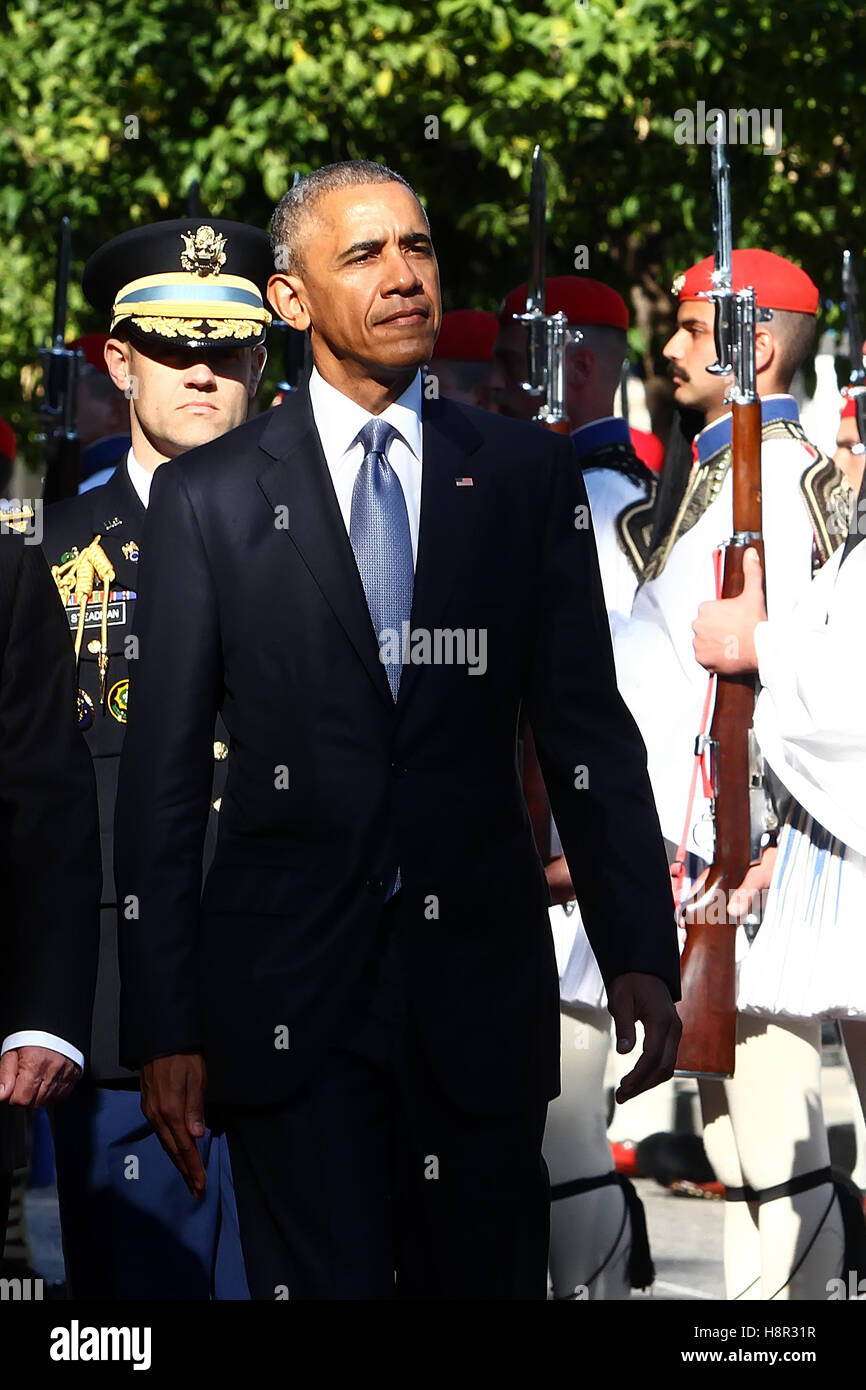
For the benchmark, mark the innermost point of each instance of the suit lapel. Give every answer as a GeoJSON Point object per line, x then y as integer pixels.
{"type": "Point", "coordinates": [297, 479]}
{"type": "Point", "coordinates": [449, 516]}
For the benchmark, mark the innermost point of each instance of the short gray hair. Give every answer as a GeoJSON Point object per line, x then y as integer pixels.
{"type": "Point", "coordinates": [295, 206]}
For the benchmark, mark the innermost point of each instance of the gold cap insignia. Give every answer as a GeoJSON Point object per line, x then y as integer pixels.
{"type": "Point", "coordinates": [203, 251]}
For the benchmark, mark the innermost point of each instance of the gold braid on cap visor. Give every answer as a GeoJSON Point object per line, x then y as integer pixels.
{"type": "Point", "coordinates": [193, 306]}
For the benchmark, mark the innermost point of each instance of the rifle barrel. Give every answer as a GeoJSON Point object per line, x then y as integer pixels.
{"type": "Point", "coordinates": [854, 321]}
{"type": "Point", "coordinates": [61, 285]}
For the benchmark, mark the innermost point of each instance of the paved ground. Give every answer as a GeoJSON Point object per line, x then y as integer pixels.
{"type": "Point", "coordinates": [685, 1232]}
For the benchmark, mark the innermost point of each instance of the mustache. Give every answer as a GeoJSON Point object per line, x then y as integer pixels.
{"type": "Point", "coordinates": [674, 370]}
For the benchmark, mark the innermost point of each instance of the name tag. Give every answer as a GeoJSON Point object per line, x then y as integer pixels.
{"type": "Point", "coordinates": [93, 615]}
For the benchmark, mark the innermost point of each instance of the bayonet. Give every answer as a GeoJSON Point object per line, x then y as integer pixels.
{"type": "Point", "coordinates": [856, 390]}
{"type": "Point", "coordinates": [857, 378]}
{"type": "Point", "coordinates": [535, 317]}
{"type": "Point", "coordinates": [546, 332]}
{"type": "Point", "coordinates": [722, 292]}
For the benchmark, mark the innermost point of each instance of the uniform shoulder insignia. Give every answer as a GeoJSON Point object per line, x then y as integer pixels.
{"type": "Point", "coordinates": [16, 517]}
{"type": "Point", "coordinates": [634, 526]}
{"type": "Point", "coordinates": [829, 501]}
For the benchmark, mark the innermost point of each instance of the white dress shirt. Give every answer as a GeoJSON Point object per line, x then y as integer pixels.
{"type": "Point", "coordinates": [340, 420]}
{"type": "Point", "coordinates": [139, 477]}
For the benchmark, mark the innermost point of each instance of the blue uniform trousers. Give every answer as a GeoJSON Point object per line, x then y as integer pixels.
{"type": "Point", "coordinates": [131, 1228]}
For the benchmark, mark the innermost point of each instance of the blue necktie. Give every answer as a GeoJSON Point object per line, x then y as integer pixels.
{"type": "Point", "coordinates": [379, 533]}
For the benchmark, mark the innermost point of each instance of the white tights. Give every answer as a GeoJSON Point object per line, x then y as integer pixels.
{"type": "Point", "coordinates": [763, 1128]}
{"type": "Point", "coordinates": [590, 1233]}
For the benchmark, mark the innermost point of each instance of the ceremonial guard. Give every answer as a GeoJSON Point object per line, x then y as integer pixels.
{"type": "Point", "coordinates": [187, 323]}
{"type": "Point", "coordinates": [598, 1239]}
{"type": "Point", "coordinates": [101, 414]}
{"type": "Point", "coordinates": [672, 539]}
{"type": "Point", "coordinates": [463, 363]}
{"type": "Point", "coordinates": [793, 1226]}
{"type": "Point", "coordinates": [806, 503]}
{"type": "Point", "coordinates": [850, 451]}
{"type": "Point", "coordinates": [614, 475]}
{"type": "Point", "coordinates": [806, 507]}
{"type": "Point", "coordinates": [8, 449]}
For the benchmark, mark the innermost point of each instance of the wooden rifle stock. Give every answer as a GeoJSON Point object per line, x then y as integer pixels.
{"type": "Point", "coordinates": [708, 1005]}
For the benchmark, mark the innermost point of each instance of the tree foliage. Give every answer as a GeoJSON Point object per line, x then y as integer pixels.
{"type": "Point", "coordinates": [108, 113]}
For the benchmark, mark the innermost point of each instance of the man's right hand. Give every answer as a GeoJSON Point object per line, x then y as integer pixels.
{"type": "Point", "coordinates": [172, 1099]}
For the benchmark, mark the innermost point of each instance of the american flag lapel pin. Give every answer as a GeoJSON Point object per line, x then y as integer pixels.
{"type": "Point", "coordinates": [464, 482]}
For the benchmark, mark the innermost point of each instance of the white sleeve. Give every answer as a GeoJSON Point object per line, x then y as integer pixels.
{"type": "Point", "coordinates": [811, 715]}
{"type": "Point", "coordinates": [35, 1038]}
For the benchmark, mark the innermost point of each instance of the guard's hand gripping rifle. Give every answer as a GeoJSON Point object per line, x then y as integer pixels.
{"type": "Point", "coordinates": [708, 1007]}
{"type": "Point", "coordinates": [547, 338]}
{"type": "Point", "coordinates": [60, 374]}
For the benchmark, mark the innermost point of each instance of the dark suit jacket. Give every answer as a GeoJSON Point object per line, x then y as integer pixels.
{"type": "Point", "coordinates": [252, 604]}
{"type": "Point", "coordinates": [48, 824]}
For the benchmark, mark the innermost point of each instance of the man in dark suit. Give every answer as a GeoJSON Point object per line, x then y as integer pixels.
{"type": "Point", "coordinates": [368, 586]}
{"type": "Point", "coordinates": [185, 375]}
{"type": "Point", "coordinates": [48, 829]}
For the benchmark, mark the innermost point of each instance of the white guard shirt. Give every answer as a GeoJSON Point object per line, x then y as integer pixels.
{"type": "Point", "coordinates": [811, 715]}
{"type": "Point", "coordinates": [659, 677]}
{"type": "Point", "coordinates": [609, 492]}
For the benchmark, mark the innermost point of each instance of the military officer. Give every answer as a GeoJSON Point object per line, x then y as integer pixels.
{"type": "Point", "coordinates": [598, 1241]}
{"type": "Point", "coordinates": [185, 304]}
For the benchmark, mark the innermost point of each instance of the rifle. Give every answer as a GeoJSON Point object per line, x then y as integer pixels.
{"type": "Point", "coordinates": [294, 346]}
{"type": "Point", "coordinates": [856, 387]}
{"type": "Point", "coordinates": [60, 366]}
{"type": "Point", "coordinates": [193, 200]}
{"type": "Point", "coordinates": [708, 1006]}
{"type": "Point", "coordinates": [546, 341]}
{"type": "Point", "coordinates": [294, 357]}
{"type": "Point", "coordinates": [624, 374]}
{"type": "Point", "coordinates": [857, 379]}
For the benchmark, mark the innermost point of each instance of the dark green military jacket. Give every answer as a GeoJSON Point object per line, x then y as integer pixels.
{"type": "Point", "coordinates": [115, 514]}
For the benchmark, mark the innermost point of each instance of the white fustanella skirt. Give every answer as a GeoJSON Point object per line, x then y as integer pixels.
{"type": "Point", "coordinates": [808, 959]}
